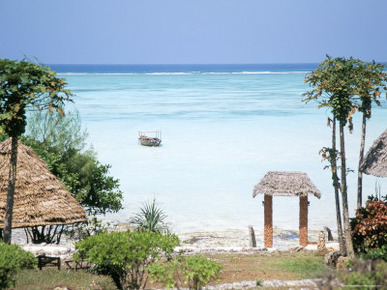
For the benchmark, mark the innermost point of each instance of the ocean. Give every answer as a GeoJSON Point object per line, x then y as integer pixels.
{"type": "Point", "coordinates": [223, 127]}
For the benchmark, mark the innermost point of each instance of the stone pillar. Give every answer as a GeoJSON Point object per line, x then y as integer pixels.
{"type": "Point", "coordinates": [303, 221]}
{"type": "Point", "coordinates": [268, 221]}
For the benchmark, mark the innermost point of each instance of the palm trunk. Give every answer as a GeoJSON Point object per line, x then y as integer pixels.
{"type": "Point", "coordinates": [11, 192]}
{"type": "Point", "coordinates": [347, 229]}
{"type": "Point", "coordinates": [361, 157]}
{"type": "Point", "coordinates": [335, 178]}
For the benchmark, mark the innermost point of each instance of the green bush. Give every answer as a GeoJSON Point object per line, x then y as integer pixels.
{"type": "Point", "coordinates": [125, 256]}
{"type": "Point", "coordinates": [369, 229]}
{"type": "Point", "coordinates": [377, 254]}
{"type": "Point", "coordinates": [366, 274]}
{"type": "Point", "coordinates": [12, 259]}
{"type": "Point", "coordinates": [192, 271]}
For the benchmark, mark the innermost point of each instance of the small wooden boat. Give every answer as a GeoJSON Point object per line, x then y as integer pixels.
{"type": "Point", "coordinates": [149, 138]}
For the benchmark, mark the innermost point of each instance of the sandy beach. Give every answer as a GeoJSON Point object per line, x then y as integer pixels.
{"type": "Point", "coordinates": [225, 241]}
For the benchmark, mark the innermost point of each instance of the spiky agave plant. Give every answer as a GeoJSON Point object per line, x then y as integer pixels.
{"type": "Point", "coordinates": [150, 218]}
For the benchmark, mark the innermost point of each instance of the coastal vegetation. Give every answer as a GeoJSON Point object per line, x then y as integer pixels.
{"type": "Point", "coordinates": [369, 229]}
{"type": "Point", "coordinates": [344, 86]}
{"type": "Point", "coordinates": [61, 143]}
{"type": "Point", "coordinates": [13, 259]}
{"type": "Point", "coordinates": [126, 256]}
{"type": "Point", "coordinates": [25, 85]}
{"type": "Point", "coordinates": [150, 218]}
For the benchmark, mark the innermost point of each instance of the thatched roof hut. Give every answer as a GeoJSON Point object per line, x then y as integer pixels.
{"type": "Point", "coordinates": [289, 183]}
{"type": "Point", "coordinates": [375, 161]}
{"type": "Point", "coordinates": [40, 198]}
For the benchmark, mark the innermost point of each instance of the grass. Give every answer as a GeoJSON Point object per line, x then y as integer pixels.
{"type": "Point", "coordinates": [237, 267]}
{"type": "Point", "coordinates": [302, 266]}
{"type": "Point", "coordinates": [273, 266]}
{"type": "Point", "coordinates": [52, 278]}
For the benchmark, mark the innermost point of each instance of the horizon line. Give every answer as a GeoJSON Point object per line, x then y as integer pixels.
{"type": "Point", "coordinates": [266, 63]}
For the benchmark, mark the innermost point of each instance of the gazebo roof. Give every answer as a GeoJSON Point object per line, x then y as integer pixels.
{"type": "Point", "coordinates": [40, 198]}
{"type": "Point", "coordinates": [375, 161]}
{"type": "Point", "coordinates": [286, 183]}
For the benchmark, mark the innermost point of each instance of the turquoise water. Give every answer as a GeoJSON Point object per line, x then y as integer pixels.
{"type": "Point", "coordinates": [222, 129]}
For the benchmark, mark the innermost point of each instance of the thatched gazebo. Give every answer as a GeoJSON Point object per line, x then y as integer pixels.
{"type": "Point", "coordinates": [40, 198]}
{"type": "Point", "coordinates": [375, 161]}
{"type": "Point", "coordinates": [276, 183]}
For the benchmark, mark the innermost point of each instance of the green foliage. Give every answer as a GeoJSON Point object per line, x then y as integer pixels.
{"type": "Point", "coordinates": [192, 271]}
{"type": "Point", "coordinates": [25, 84]}
{"type": "Point", "coordinates": [346, 85]}
{"type": "Point", "coordinates": [333, 82]}
{"type": "Point", "coordinates": [150, 218]}
{"type": "Point", "coordinates": [370, 80]}
{"type": "Point", "coordinates": [60, 142]}
{"type": "Point", "coordinates": [166, 273]}
{"type": "Point", "coordinates": [12, 259]}
{"type": "Point", "coordinates": [369, 229]}
{"type": "Point", "coordinates": [125, 256]}
{"type": "Point", "coordinates": [198, 271]}
{"type": "Point", "coordinates": [376, 254]}
{"type": "Point", "coordinates": [366, 274]}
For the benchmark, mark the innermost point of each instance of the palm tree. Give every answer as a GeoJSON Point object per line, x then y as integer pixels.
{"type": "Point", "coordinates": [24, 85]}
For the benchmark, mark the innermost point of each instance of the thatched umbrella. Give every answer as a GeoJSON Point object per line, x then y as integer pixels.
{"type": "Point", "coordinates": [375, 161]}
{"type": "Point", "coordinates": [286, 184]}
{"type": "Point", "coordinates": [40, 198]}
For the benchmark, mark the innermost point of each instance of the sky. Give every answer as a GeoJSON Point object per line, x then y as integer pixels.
{"type": "Point", "coordinates": [192, 31]}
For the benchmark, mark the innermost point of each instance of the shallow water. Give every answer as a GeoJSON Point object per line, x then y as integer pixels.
{"type": "Point", "coordinates": [221, 132]}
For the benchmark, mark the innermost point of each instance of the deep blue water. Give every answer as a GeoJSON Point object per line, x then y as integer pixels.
{"type": "Point", "coordinates": [198, 68]}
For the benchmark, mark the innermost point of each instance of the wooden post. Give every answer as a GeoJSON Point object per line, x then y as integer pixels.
{"type": "Point", "coordinates": [253, 241]}
{"type": "Point", "coordinates": [268, 221]}
{"type": "Point", "coordinates": [303, 221]}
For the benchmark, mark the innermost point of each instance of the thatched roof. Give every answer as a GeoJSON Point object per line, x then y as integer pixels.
{"type": "Point", "coordinates": [40, 198]}
{"type": "Point", "coordinates": [375, 161]}
{"type": "Point", "coordinates": [286, 184]}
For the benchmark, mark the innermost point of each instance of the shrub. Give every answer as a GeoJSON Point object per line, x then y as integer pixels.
{"type": "Point", "coordinates": [12, 259]}
{"type": "Point", "coordinates": [193, 271]}
{"type": "Point", "coordinates": [125, 256]}
{"type": "Point", "coordinates": [369, 228]}
{"type": "Point", "coordinates": [366, 274]}
{"type": "Point", "coordinates": [150, 218]}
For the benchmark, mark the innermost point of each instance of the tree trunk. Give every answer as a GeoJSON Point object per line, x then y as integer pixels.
{"type": "Point", "coordinates": [347, 229]}
{"type": "Point", "coordinates": [11, 192]}
{"type": "Point", "coordinates": [361, 157]}
{"type": "Point", "coordinates": [343, 249]}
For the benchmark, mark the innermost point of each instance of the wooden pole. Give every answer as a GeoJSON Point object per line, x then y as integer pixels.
{"type": "Point", "coordinates": [268, 221]}
{"type": "Point", "coordinates": [253, 241]}
{"type": "Point", "coordinates": [303, 221]}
